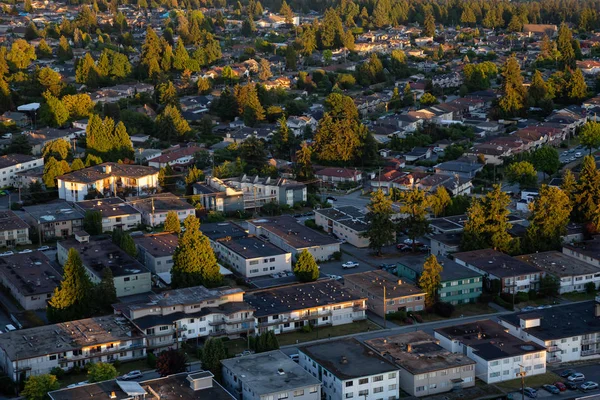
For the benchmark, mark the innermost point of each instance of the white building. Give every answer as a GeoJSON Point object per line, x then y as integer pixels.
{"type": "Point", "coordinates": [499, 355]}
{"type": "Point", "coordinates": [350, 370]}
{"type": "Point", "coordinates": [10, 164]}
{"type": "Point", "coordinates": [346, 223]}
{"type": "Point", "coordinates": [154, 209]}
{"type": "Point", "coordinates": [116, 214]}
{"type": "Point", "coordinates": [36, 351]}
{"type": "Point", "coordinates": [13, 230]}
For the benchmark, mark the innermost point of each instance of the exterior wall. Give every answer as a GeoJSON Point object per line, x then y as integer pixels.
{"type": "Point", "coordinates": [369, 387]}
{"type": "Point", "coordinates": [133, 284]}
{"type": "Point", "coordinates": [461, 291]}
{"type": "Point", "coordinates": [341, 231]}
{"type": "Point", "coordinates": [127, 222]}
{"type": "Point", "coordinates": [8, 175]}
{"type": "Point", "coordinates": [156, 265]}
{"type": "Point", "coordinates": [28, 302]}
{"type": "Point", "coordinates": [253, 267]}
{"type": "Point", "coordinates": [577, 283]}
{"type": "Point", "coordinates": [320, 253]}
{"type": "Point", "coordinates": [74, 191]}
{"type": "Point", "coordinates": [375, 301]}
{"type": "Point", "coordinates": [523, 283]}
{"type": "Point", "coordinates": [592, 261]}
{"type": "Point", "coordinates": [437, 381]}
{"type": "Point", "coordinates": [159, 218]}
{"type": "Point", "coordinates": [291, 196]}
{"type": "Point", "coordinates": [12, 237]}
{"type": "Point", "coordinates": [333, 314]}
{"type": "Point", "coordinates": [61, 229]}
{"type": "Point", "coordinates": [440, 249]}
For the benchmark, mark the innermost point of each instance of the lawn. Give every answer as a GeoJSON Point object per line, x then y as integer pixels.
{"type": "Point", "coordinates": [537, 302]}
{"type": "Point", "coordinates": [534, 381]}
{"type": "Point", "coordinates": [577, 296]}
{"type": "Point", "coordinates": [465, 310]}
{"type": "Point", "coordinates": [235, 346]}
{"type": "Point", "coordinates": [123, 369]}
{"type": "Point", "coordinates": [330, 331]}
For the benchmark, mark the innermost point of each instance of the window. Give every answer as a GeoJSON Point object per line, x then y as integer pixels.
{"type": "Point", "coordinates": [314, 389]}
{"type": "Point", "coordinates": [349, 383]}
{"type": "Point", "coordinates": [282, 396]}
{"type": "Point", "coordinates": [574, 349]}
{"type": "Point", "coordinates": [363, 392]}
{"type": "Point", "coordinates": [494, 363]}
{"type": "Point", "coordinates": [538, 366]}
{"type": "Point", "coordinates": [378, 389]}
{"type": "Point", "coordinates": [494, 374]}
{"type": "Point", "coordinates": [164, 328]}
{"type": "Point", "coordinates": [349, 395]}
{"type": "Point", "coordinates": [52, 357]}
{"type": "Point", "coordinates": [298, 392]}
{"type": "Point", "coordinates": [505, 372]}
{"type": "Point", "coordinates": [433, 386]}
{"type": "Point", "coordinates": [126, 279]}
{"type": "Point", "coordinates": [420, 388]}
{"type": "Point", "coordinates": [391, 375]}
{"type": "Point", "coordinates": [378, 378]}
{"type": "Point", "coordinates": [392, 387]}
{"type": "Point", "coordinates": [363, 381]}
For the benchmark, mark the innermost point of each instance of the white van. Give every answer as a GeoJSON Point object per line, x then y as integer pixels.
{"type": "Point", "coordinates": [10, 328]}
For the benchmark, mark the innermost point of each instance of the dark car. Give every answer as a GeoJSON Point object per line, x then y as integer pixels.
{"type": "Point", "coordinates": [551, 388]}
{"type": "Point", "coordinates": [567, 372]}
{"type": "Point", "coordinates": [331, 198]}
{"type": "Point", "coordinates": [571, 385]}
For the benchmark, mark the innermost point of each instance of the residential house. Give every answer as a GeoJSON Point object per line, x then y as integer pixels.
{"type": "Point", "coordinates": [499, 355]}
{"type": "Point", "coordinates": [284, 309]}
{"type": "Point", "coordinates": [462, 169]}
{"type": "Point", "coordinates": [216, 195]}
{"type": "Point", "coordinates": [107, 179]}
{"type": "Point", "coordinates": [540, 30]}
{"type": "Point", "coordinates": [333, 176]}
{"type": "Point", "coordinates": [345, 223]}
{"type": "Point", "coordinates": [349, 369]}
{"type": "Point", "coordinates": [299, 125]}
{"type": "Point", "coordinates": [174, 316]}
{"type": "Point", "coordinates": [178, 157]}
{"type": "Point", "coordinates": [259, 191]}
{"type": "Point", "coordinates": [443, 244]}
{"type": "Point", "coordinates": [289, 235]}
{"type": "Point", "coordinates": [156, 251]}
{"type": "Point", "coordinates": [418, 153]}
{"type": "Point", "coordinates": [386, 293]}
{"type": "Point", "coordinates": [425, 367]}
{"type": "Point", "coordinates": [21, 120]}
{"type": "Point", "coordinates": [53, 220]}
{"type": "Point", "coordinates": [269, 375]}
{"type": "Point", "coordinates": [13, 230]}
{"type": "Point", "coordinates": [37, 139]}
{"type": "Point", "coordinates": [459, 284]}
{"type": "Point", "coordinates": [154, 209]}
{"type": "Point", "coordinates": [36, 351]}
{"type": "Point", "coordinates": [116, 214]}
{"type": "Point", "coordinates": [11, 164]}
{"type": "Point", "coordinates": [514, 275]}
{"type": "Point", "coordinates": [129, 275]}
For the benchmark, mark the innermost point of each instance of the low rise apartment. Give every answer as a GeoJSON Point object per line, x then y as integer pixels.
{"type": "Point", "coordinates": [35, 351]}
{"type": "Point", "coordinates": [13, 230]}
{"type": "Point", "coordinates": [258, 191]}
{"type": "Point", "coordinates": [156, 251]}
{"type": "Point", "coordinates": [587, 251]}
{"type": "Point", "coordinates": [130, 276]}
{"type": "Point", "coordinates": [514, 275]}
{"type": "Point", "coordinates": [459, 284]}
{"type": "Point", "coordinates": [425, 368]}
{"type": "Point", "coordinates": [116, 214]}
{"type": "Point", "coordinates": [350, 370]}
{"type": "Point", "coordinates": [57, 220]}
{"type": "Point", "coordinates": [182, 314]}
{"type": "Point", "coordinates": [214, 195]}
{"type": "Point", "coordinates": [385, 292]}
{"type": "Point", "coordinates": [183, 386]}
{"type": "Point", "coordinates": [269, 376]}
{"type": "Point", "coordinates": [346, 223]}
{"type": "Point", "coordinates": [30, 278]}
{"type": "Point", "coordinates": [573, 273]}
{"type": "Point", "coordinates": [154, 209]}
{"type": "Point", "coordinates": [287, 234]}
{"type": "Point", "coordinates": [499, 355]}
{"type": "Point", "coordinates": [10, 164]}
{"type": "Point", "coordinates": [569, 332]}
{"type": "Point", "coordinates": [289, 308]}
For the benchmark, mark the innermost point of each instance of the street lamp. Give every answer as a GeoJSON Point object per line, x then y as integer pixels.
{"type": "Point", "coordinates": [522, 373]}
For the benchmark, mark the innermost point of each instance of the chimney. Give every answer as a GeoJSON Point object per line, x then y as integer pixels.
{"type": "Point", "coordinates": [344, 360]}
{"type": "Point", "coordinates": [113, 395]}
{"type": "Point", "coordinates": [107, 169]}
{"type": "Point", "coordinates": [200, 380]}
{"type": "Point", "coordinates": [409, 348]}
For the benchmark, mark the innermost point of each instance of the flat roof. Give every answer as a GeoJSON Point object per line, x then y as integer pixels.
{"type": "Point", "coordinates": [348, 216]}
{"type": "Point", "coordinates": [220, 230]}
{"type": "Point", "coordinates": [298, 297]}
{"type": "Point", "coordinates": [161, 203]}
{"type": "Point", "coordinates": [417, 352]}
{"type": "Point", "coordinates": [559, 264]}
{"type": "Point", "coordinates": [31, 273]}
{"type": "Point", "coordinates": [100, 253]}
{"type": "Point", "coordinates": [590, 248]}
{"type": "Point", "coordinates": [10, 160]}
{"type": "Point", "coordinates": [496, 263]}
{"type": "Point", "coordinates": [561, 321]}
{"type": "Point", "coordinates": [293, 233]}
{"type": "Point", "coordinates": [451, 270]}
{"type": "Point", "coordinates": [53, 212]}
{"type": "Point", "coordinates": [348, 358]}
{"type": "Point", "coordinates": [66, 336]}
{"type": "Point", "coordinates": [10, 221]}
{"type": "Point", "coordinates": [109, 207]}
{"type": "Point", "coordinates": [489, 340]}
{"type": "Point", "coordinates": [172, 387]}
{"type": "Point", "coordinates": [98, 172]}
{"type": "Point", "coordinates": [252, 247]}
{"type": "Point", "coordinates": [453, 239]}
{"type": "Point", "coordinates": [373, 282]}
{"type": "Point", "coordinates": [262, 372]}
{"type": "Point", "coordinates": [158, 245]}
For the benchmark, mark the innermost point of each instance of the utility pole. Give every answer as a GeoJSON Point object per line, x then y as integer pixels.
{"type": "Point", "coordinates": [522, 373]}
{"type": "Point", "coordinates": [384, 308]}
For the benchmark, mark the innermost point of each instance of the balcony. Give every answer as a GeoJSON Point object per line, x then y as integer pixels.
{"type": "Point", "coordinates": [552, 360]}
{"type": "Point", "coordinates": [552, 349]}
{"type": "Point", "coordinates": [590, 341]}
{"type": "Point", "coordinates": [359, 308]}
{"type": "Point", "coordinates": [590, 352]}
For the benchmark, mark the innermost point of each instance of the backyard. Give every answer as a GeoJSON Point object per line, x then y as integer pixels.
{"type": "Point", "coordinates": [123, 368]}
{"type": "Point", "coordinates": [464, 310]}
{"type": "Point", "coordinates": [534, 381]}
{"type": "Point", "coordinates": [578, 296]}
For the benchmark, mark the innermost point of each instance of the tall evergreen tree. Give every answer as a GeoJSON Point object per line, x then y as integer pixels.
{"type": "Point", "coordinates": [430, 280]}
{"type": "Point", "coordinates": [587, 196]}
{"type": "Point", "coordinates": [564, 45]}
{"type": "Point", "coordinates": [306, 269]}
{"type": "Point", "coordinates": [414, 204]}
{"type": "Point", "coordinates": [548, 221]}
{"type": "Point", "coordinates": [151, 53]}
{"type": "Point", "coordinates": [171, 126]}
{"type": "Point", "coordinates": [429, 25]}
{"type": "Point", "coordinates": [211, 355]}
{"type": "Point", "coordinates": [578, 89]}
{"type": "Point", "coordinates": [181, 56]}
{"type": "Point", "coordinates": [513, 97]}
{"type": "Point", "coordinates": [43, 50]}
{"type": "Point", "coordinates": [304, 169]}
{"type": "Point", "coordinates": [172, 223]}
{"type": "Point", "coordinates": [64, 52]}
{"type": "Point", "coordinates": [380, 228]}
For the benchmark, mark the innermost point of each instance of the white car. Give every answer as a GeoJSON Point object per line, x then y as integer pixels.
{"type": "Point", "coordinates": [44, 248]}
{"type": "Point", "coordinates": [410, 242]}
{"type": "Point", "coordinates": [132, 375]}
{"type": "Point", "coordinates": [349, 264]}
{"type": "Point", "coordinates": [437, 150]}
{"type": "Point", "coordinates": [7, 253]}
{"type": "Point", "coordinates": [578, 155]}
{"type": "Point", "coordinates": [576, 377]}
{"type": "Point", "coordinates": [77, 384]}
{"type": "Point", "coordinates": [336, 277]}
{"type": "Point", "coordinates": [26, 251]}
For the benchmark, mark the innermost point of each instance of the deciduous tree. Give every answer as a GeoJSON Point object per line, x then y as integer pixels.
{"type": "Point", "coordinates": [37, 387]}
{"type": "Point", "coordinates": [523, 173]}
{"type": "Point", "coordinates": [439, 201]}
{"type": "Point", "coordinates": [171, 362]}
{"type": "Point", "coordinates": [100, 371]}
{"type": "Point", "coordinates": [431, 280]}
{"type": "Point", "coordinates": [589, 136]}
{"type": "Point", "coordinates": [21, 54]}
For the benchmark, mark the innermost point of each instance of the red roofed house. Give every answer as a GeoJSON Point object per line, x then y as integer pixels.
{"type": "Point", "coordinates": [336, 175]}
{"type": "Point", "coordinates": [180, 156]}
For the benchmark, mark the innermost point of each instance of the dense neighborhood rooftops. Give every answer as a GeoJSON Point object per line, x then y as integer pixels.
{"type": "Point", "coordinates": [66, 336]}
{"type": "Point", "coordinates": [559, 322]}
{"type": "Point", "coordinates": [451, 271]}
{"type": "Point", "coordinates": [220, 230]}
{"type": "Point", "coordinates": [348, 358]}
{"type": "Point", "coordinates": [417, 352]}
{"type": "Point", "coordinates": [252, 247]}
{"type": "Point", "coordinates": [262, 372]}
{"type": "Point", "coordinates": [158, 245]}
{"type": "Point", "coordinates": [559, 264]}
{"type": "Point", "coordinates": [31, 273]}
{"type": "Point", "coordinates": [109, 207]}
{"type": "Point", "coordinates": [293, 233]}
{"type": "Point", "coordinates": [10, 221]}
{"type": "Point", "coordinates": [496, 263]}
{"type": "Point", "coordinates": [161, 203]}
{"type": "Point", "coordinates": [53, 212]}
{"type": "Point", "coordinates": [284, 299]}
{"type": "Point", "coordinates": [373, 282]}
{"type": "Point", "coordinates": [489, 340]}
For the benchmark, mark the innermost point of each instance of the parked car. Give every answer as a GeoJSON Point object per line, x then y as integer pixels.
{"type": "Point", "coordinates": [44, 248]}
{"type": "Point", "coordinates": [403, 247]}
{"type": "Point", "coordinates": [9, 328]}
{"type": "Point", "coordinates": [578, 155]}
{"type": "Point", "coordinates": [336, 277]}
{"type": "Point", "coordinates": [551, 388]}
{"type": "Point", "coordinates": [331, 198]}
{"type": "Point", "coordinates": [7, 253]}
{"type": "Point", "coordinates": [560, 386]}
{"type": "Point", "coordinates": [589, 385]}
{"type": "Point", "coordinates": [349, 264]}
{"type": "Point", "coordinates": [528, 308]}
{"type": "Point", "coordinates": [567, 372]}
{"type": "Point", "coordinates": [576, 377]}
{"type": "Point", "coordinates": [135, 374]}
{"type": "Point", "coordinates": [77, 384]}
{"type": "Point", "coordinates": [410, 242]}
{"type": "Point", "coordinates": [26, 251]}
{"type": "Point", "coordinates": [529, 392]}
{"type": "Point", "coordinates": [571, 385]}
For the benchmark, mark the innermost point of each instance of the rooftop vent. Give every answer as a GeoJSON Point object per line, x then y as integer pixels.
{"type": "Point", "coordinates": [280, 371]}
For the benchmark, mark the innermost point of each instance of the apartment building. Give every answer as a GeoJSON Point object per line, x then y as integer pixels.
{"type": "Point", "coordinates": [10, 164]}
{"type": "Point", "coordinates": [350, 370]}
{"type": "Point", "coordinates": [30, 278]}
{"type": "Point", "coordinates": [572, 272]}
{"type": "Point", "coordinates": [587, 251]}
{"type": "Point", "coordinates": [156, 251]}
{"type": "Point", "coordinates": [269, 376]}
{"type": "Point", "coordinates": [425, 368]}
{"type": "Point", "coordinates": [182, 386]}
{"type": "Point", "coordinates": [154, 209]}
{"type": "Point", "coordinates": [107, 179]}
{"type": "Point", "coordinates": [258, 191]}
{"type": "Point", "coordinates": [499, 355]}
{"type": "Point", "coordinates": [287, 234]}
{"type": "Point", "coordinates": [129, 275]}
{"type": "Point", "coordinates": [214, 195]}
{"type": "Point", "coordinates": [116, 214]}
{"type": "Point", "coordinates": [385, 292]}
{"type": "Point", "coordinates": [289, 308]}
{"type": "Point", "coordinates": [35, 351]}
{"type": "Point", "coordinates": [459, 284]}
{"type": "Point", "coordinates": [514, 275]}
{"type": "Point", "coordinates": [13, 230]}
{"type": "Point", "coordinates": [182, 314]}
{"type": "Point", "coordinates": [56, 220]}
{"type": "Point", "coordinates": [568, 332]}
{"type": "Point", "coordinates": [346, 223]}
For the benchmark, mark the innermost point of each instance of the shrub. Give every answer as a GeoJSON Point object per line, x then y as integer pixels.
{"type": "Point", "coordinates": [58, 372]}
{"type": "Point", "coordinates": [502, 303]}
{"type": "Point", "coordinates": [521, 297]}
{"type": "Point", "coordinates": [310, 223]}
{"type": "Point", "coordinates": [151, 360]}
{"type": "Point", "coordinates": [117, 363]}
{"type": "Point", "coordinates": [337, 256]}
{"type": "Point", "coordinates": [444, 309]}
{"type": "Point", "coordinates": [485, 298]}
{"type": "Point", "coordinates": [418, 318]}
{"type": "Point", "coordinates": [590, 287]}
{"type": "Point", "coordinates": [396, 316]}
{"type": "Point", "coordinates": [532, 294]}
{"type": "Point", "coordinates": [307, 328]}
